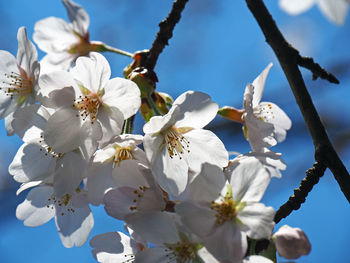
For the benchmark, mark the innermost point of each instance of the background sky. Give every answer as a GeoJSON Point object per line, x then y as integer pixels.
{"type": "Point", "coordinates": [217, 48]}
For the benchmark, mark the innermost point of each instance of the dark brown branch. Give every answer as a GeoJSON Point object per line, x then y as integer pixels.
{"type": "Point", "coordinates": [312, 177]}
{"type": "Point", "coordinates": [165, 32]}
{"type": "Point", "coordinates": [317, 71]}
{"type": "Point", "coordinates": [289, 61]}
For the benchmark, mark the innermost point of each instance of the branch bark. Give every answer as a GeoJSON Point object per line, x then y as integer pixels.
{"type": "Point", "coordinates": [166, 28]}
{"type": "Point", "coordinates": [290, 59]}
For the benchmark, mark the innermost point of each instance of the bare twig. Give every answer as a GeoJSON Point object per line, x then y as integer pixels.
{"type": "Point", "coordinates": [165, 32]}
{"type": "Point", "coordinates": [312, 177]}
{"type": "Point", "coordinates": [289, 59]}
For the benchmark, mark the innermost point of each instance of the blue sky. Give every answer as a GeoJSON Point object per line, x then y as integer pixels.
{"type": "Point", "coordinates": [217, 48]}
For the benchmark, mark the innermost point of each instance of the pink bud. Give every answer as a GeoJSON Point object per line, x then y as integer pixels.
{"type": "Point", "coordinates": [291, 243]}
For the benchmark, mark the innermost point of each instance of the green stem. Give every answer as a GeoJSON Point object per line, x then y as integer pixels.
{"type": "Point", "coordinates": [116, 50]}
{"type": "Point", "coordinates": [153, 106]}
{"type": "Point", "coordinates": [128, 125]}
{"type": "Point", "coordinates": [252, 247]}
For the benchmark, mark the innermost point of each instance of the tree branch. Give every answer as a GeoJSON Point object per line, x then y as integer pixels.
{"type": "Point", "coordinates": [312, 177]}
{"type": "Point", "coordinates": [165, 32]}
{"type": "Point", "coordinates": [289, 59]}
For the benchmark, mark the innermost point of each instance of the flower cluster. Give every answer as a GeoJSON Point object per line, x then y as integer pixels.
{"type": "Point", "coordinates": [181, 198]}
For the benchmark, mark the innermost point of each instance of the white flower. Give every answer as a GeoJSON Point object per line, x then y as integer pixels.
{"type": "Point", "coordinates": [176, 142]}
{"type": "Point", "coordinates": [334, 10]}
{"type": "Point", "coordinates": [114, 247]}
{"type": "Point", "coordinates": [90, 107]}
{"type": "Point", "coordinates": [291, 242]}
{"type": "Point", "coordinates": [72, 213]}
{"type": "Point", "coordinates": [269, 161]}
{"type": "Point", "coordinates": [265, 123]}
{"type": "Point", "coordinates": [116, 165]}
{"type": "Point", "coordinates": [227, 213]}
{"type": "Point", "coordinates": [63, 42]}
{"type": "Point", "coordinates": [18, 79]}
{"type": "Point", "coordinates": [35, 160]}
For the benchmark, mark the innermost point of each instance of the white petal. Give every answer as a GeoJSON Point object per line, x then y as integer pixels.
{"type": "Point", "coordinates": [156, 227]}
{"type": "Point", "coordinates": [99, 181]}
{"type": "Point", "coordinates": [78, 17]}
{"type": "Point", "coordinates": [29, 122]}
{"type": "Point", "coordinates": [249, 180]}
{"type": "Point", "coordinates": [171, 173]}
{"type": "Point", "coordinates": [228, 243]}
{"type": "Point", "coordinates": [8, 64]}
{"type": "Point", "coordinates": [31, 164]}
{"type": "Point", "coordinates": [295, 7]}
{"type": "Point", "coordinates": [200, 220]}
{"type": "Point", "coordinates": [27, 53]}
{"type": "Point", "coordinates": [63, 131]}
{"type": "Point", "coordinates": [334, 10]}
{"type": "Point", "coordinates": [153, 145]}
{"type": "Point", "coordinates": [197, 109]}
{"type": "Point", "coordinates": [74, 227]}
{"type": "Point", "coordinates": [161, 123]}
{"type": "Point", "coordinates": [28, 185]}
{"type": "Point", "coordinates": [113, 247]}
{"type": "Point", "coordinates": [69, 173]}
{"type": "Point", "coordinates": [259, 84]}
{"type": "Point", "coordinates": [57, 89]}
{"type": "Point", "coordinates": [111, 121]}
{"type": "Point", "coordinates": [205, 146]}
{"type": "Point", "coordinates": [92, 72]}
{"type": "Point", "coordinates": [259, 220]}
{"type": "Point", "coordinates": [104, 155]}
{"type": "Point", "coordinates": [257, 259]}
{"type": "Point", "coordinates": [210, 181]}
{"type": "Point", "coordinates": [204, 254]}
{"type": "Point", "coordinates": [123, 94]}
{"type": "Point", "coordinates": [154, 254]}
{"type": "Point", "coordinates": [55, 35]}
{"type": "Point", "coordinates": [34, 210]}
{"type": "Point", "coordinates": [93, 136]}
{"type": "Point", "coordinates": [127, 173]}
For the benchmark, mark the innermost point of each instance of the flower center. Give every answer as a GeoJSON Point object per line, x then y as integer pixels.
{"type": "Point", "coordinates": [63, 202]}
{"type": "Point", "coordinates": [176, 143]}
{"type": "Point", "coordinates": [182, 251]}
{"type": "Point", "coordinates": [226, 209]}
{"type": "Point", "coordinates": [83, 47]}
{"type": "Point", "coordinates": [88, 105]}
{"type": "Point", "coordinates": [264, 112]}
{"type": "Point", "coordinates": [121, 153]}
{"type": "Point", "coordinates": [17, 85]}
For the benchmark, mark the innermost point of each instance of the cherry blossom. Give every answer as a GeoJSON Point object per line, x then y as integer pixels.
{"type": "Point", "coordinates": [90, 107]}
{"type": "Point", "coordinates": [265, 123]}
{"type": "Point", "coordinates": [18, 79]}
{"type": "Point", "coordinates": [174, 142]}
{"type": "Point", "coordinates": [334, 10]}
{"type": "Point", "coordinates": [72, 214]}
{"type": "Point", "coordinates": [229, 211]}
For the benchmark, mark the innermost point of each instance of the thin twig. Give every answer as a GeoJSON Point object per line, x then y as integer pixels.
{"type": "Point", "coordinates": [165, 32]}
{"type": "Point", "coordinates": [312, 177]}
{"type": "Point", "coordinates": [286, 54]}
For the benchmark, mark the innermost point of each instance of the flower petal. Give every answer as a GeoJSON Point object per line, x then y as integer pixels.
{"type": "Point", "coordinates": [196, 108]}
{"type": "Point", "coordinates": [33, 210]}
{"type": "Point", "coordinates": [259, 84]}
{"type": "Point", "coordinates": [27, 53]}
{"type": "Point", "coordinates": [123, 94]}
{"type": "Point", "coordinates": [334, 10]}
{"type": "Point", "coordinates": [74, 227]}
{"type": "Point", "coordinates": [259, 220]}
{"type": "Point", "coordinates": [78, 17]}
{"type": "Point", "coordinates": [296, 7]}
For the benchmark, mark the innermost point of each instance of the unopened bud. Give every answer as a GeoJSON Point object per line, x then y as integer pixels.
{"type": "Point", "coordinates": [291, 243]}
{"type": "Point", "coordinates": [231, 113]}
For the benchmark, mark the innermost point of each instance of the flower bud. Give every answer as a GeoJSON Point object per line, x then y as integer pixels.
{"type": "Point", "coordinates": [291, 243]}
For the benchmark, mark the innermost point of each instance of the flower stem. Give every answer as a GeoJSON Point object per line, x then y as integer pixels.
{"type": "Point", "coordinates": [153, 106]}
{"type": "Point", "coordinates": [128, 125]}
{"type": "Point", "coordinates": [116, 50]}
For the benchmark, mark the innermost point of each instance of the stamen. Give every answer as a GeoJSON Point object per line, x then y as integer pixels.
{"type": "Point", "coordinates": [138, 194]}
{"type": "Point", "coordinates": [121, 153]}
{"type": "Point", "coordinates": [17, 84]}
{"type": "Point", "coordinates": [182, 251]}
{"type": "Point", "coordinates": [48, 149]}
{"type": "Point", "coordinates": [177, 144]}
{"type": "Point", "coordinates": [88, 105]}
